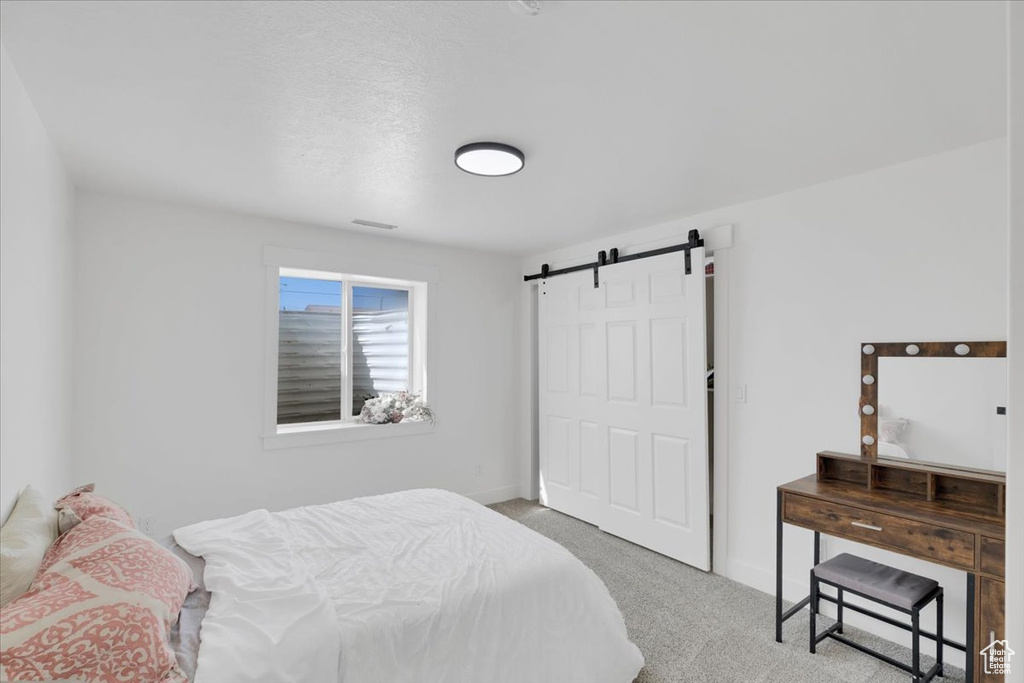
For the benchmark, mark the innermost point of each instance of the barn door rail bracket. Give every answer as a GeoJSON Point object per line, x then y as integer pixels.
{"type": "Point", "coordinates": [612, 257]}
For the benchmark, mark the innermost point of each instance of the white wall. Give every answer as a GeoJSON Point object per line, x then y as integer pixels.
{"type": "Point", "coordinates": [36, 204]}
{"type": "Point", "coordinates": [1015, 410]}
{"type": "Point", "coordinates": [914, 251]}
{"type": "Point", "coordinates": [170, 349]}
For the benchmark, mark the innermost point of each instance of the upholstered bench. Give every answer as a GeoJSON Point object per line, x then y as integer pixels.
{"type": "Point", "coordinates": [900, 590]}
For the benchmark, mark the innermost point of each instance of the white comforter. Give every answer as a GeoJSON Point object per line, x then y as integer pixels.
{"type": "Point", "coordinates": [410, 587]}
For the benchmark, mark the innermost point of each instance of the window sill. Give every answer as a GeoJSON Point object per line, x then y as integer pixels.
{"type": "Point", "coordinates": [313, 436]}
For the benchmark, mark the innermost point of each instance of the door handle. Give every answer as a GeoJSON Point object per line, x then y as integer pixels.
{"type": "Point", "coordinates": [862, 525]}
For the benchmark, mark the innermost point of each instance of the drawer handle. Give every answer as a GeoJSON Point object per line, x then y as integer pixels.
{"type": "Point", "coordinates": [862, 525]}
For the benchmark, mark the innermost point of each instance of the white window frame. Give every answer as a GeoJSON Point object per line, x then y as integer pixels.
{"type": "Point", "coordinates": [419, 281]}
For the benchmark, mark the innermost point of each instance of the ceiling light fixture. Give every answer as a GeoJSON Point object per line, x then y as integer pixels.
{"type": "Point", "coordinates": [489, 159]}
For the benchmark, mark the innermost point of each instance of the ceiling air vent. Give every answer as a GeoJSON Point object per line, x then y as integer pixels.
{"type": "Point", "coordinates": [374, 224]}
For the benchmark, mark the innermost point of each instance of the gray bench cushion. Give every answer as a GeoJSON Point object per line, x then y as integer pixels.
{"type": "Point", "coordinates": [875, 580]}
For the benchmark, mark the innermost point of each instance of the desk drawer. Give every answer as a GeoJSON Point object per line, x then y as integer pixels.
{"type": "Point", "coordinates": [927, 541]}
{"type": "Point", "coordinates": [993, 556]}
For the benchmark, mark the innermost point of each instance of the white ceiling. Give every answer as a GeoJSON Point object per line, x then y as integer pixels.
{"type": "Point", "coordinates": [629, 113]}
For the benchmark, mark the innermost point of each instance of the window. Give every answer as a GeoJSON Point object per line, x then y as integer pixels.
{"type": "Point", "coordinates": [309, 351]}
{"type": "Point", "coordinates": [337, 340]}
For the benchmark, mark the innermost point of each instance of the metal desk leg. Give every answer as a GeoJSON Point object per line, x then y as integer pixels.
{"type": "Point", "coordinates": [780, 614]}
{"type": "Point", "coordinates": [939, 612]}
{"type": "Point", "coordinates": [969, 640]}
{"type": "Point", "coordinates": [778, 566]}
{"type": "Point", "coordinates": [817, 561]}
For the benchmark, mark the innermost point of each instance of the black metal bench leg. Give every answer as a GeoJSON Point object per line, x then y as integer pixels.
{"type": "Point", "coordinates": [814, 612]}
{"type": "Point", "coordinates": [839, 610]}
{"type": "Point", "coordinates": [915, 630]}
{"type": "Point", "coordinates": [938, 634]}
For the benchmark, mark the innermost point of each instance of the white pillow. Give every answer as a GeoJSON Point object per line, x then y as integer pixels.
{"type": "Point", "coordinates": [890, 428]}
{"type": "Point", "coordinates": [25, 537]}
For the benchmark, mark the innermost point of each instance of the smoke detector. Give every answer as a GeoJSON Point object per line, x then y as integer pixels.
{"type": "Point", "coordinates": [526, 8]}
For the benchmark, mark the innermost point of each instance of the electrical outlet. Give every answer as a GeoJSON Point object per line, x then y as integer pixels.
{"type": "Point", "coordinates": [479, 470]}
{"type": "Point", "coordinates": [146, 524]}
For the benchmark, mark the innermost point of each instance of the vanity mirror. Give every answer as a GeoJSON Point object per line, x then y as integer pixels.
{"type": "Point", "coordinates": [935, 402]}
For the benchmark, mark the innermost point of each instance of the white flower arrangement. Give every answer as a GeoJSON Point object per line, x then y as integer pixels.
{"type": "Point", "coordinates": [395, 407]}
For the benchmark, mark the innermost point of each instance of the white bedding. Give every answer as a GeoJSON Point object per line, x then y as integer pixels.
{"type": "Point", "coordinates": [416, 586]}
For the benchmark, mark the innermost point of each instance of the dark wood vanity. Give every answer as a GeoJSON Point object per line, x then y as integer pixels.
{"type": "Point", "coordinates": [946, 515]}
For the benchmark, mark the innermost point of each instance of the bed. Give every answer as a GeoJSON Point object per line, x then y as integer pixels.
{"type": "Point", "coordinates": [420, 585]}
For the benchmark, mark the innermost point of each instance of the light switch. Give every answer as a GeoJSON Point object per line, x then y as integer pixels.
{"type": "Point", "coordinates": [741, 393]}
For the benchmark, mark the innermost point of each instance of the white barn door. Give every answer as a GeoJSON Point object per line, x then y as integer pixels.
{"type": "Point", "coordinates": [623, 402]}
{"type": "Point", "coordinates": [572, 473]}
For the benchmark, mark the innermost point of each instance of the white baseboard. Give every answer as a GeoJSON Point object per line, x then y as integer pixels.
{"type": "Point", "coordinates": [497, 495]}
{"type": "Point", "coordinates": [764, 580]}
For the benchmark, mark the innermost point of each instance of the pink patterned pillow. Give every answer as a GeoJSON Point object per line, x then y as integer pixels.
{"type": "Point", "coordinates": [82, 503]}
{"type": "Point", "coordinates": [100, 609]}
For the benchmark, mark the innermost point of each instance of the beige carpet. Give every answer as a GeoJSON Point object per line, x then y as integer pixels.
{"type": "Point", "coordinates": [698, 627]}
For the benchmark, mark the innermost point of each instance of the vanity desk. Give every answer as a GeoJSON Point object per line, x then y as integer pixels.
{"type": "Point", "coordinates": [949, 517]}
{"type": "Point", "coordinates": [951, 511]}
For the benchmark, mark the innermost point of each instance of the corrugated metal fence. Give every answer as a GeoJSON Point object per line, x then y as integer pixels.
{"type": "Point", "coordinates": [380, 353]}
{"type": "Point", "coordinates": [309, 361]}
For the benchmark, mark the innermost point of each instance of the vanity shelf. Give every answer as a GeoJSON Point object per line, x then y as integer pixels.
{"type": "Point", "coordinates": [969, 491]}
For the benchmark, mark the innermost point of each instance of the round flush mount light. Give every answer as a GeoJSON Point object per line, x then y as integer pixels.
{"type": "Point", "coordinates": [489, 159]}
